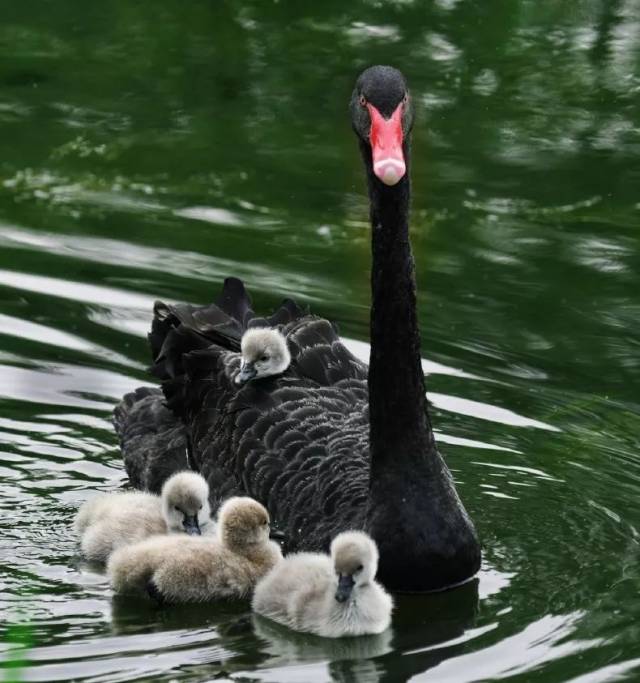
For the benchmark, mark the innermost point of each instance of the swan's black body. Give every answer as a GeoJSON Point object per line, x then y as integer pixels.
{"type": "Point", "coordinates": [153, 441]}
{"type": "Point", "coordinates": [325, 447]}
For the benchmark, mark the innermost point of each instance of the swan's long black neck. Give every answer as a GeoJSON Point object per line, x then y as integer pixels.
{"type": "Point", "coordinates": [425, 537]}
{"type": "Point", "coordinates": [400, 430]}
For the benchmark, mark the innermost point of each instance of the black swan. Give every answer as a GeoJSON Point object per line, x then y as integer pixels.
{"type": "Point", "coordinates": [326, 446]}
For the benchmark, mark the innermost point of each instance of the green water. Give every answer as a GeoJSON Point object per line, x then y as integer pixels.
{"type": "Point", "coordinates": [150, 149]}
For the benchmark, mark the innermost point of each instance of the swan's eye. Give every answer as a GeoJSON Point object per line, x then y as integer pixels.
{"type": "Point", "coordinates": [363, 101]}
{"type": "Point", "coordinates": [405, 99]}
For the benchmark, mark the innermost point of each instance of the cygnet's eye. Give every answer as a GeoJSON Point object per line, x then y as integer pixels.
{"type": "Point", "coordinates": [200, 508]}
{"type": "Point", "coordinates": [359, 568]}
{"type": "Point", "coordinates": [363, 101]}
{"type": "Point", "coordinates": [175, 507]}
{"type": "Point", "coordinates": [264, 358]}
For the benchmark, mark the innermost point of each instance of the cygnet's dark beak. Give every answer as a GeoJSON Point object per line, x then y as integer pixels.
{"type": "Point", "coordinates": [247, 372]}
{"type": "Point", "coordinates": [191, 525]}
{"type": "Point", "coordinates": [345, 586]}
{"type": "Point", "coordinates": [276, 534]}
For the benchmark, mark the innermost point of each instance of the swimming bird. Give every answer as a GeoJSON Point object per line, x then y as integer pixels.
{"type": "Point", "coordinates": [329, 596]}
{"type": "Point", "coordinates": [112, 520]}
{"type": "Point", "coordinates": [197, 569]}
{"type": "Point", "coordinates": [329, 445]}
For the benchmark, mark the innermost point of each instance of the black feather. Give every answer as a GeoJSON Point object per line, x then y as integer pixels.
{"type": "Point", "coordinates": [153, 440]}
{"type": "Point", "coordinates": [360, 452]}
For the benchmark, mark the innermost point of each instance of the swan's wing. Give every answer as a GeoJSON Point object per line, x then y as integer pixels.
{"type": "Point", "coordinates": [319, 355]}
{"type": "Point", "coordinates": [222, 322]}
{"type": "Point", "coordinates": [299, 448]}
{"type": "Point", "coordinates": [205, 374]}
{"type": "Point", "coordinates": [321, 401]}
{"type": "Point", "coordinates": [177, 330]}
{"type": "Point", "coordinates": [153, 440]}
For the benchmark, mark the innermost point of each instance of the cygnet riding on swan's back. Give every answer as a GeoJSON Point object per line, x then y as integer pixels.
{"type": "Point", "coordinates": [330, 444]}
{"type": "Point", "coordinates": [112, 520]}
{"type": "Point", "coordinates": [330, 597]}
{"type": "Point", "coordinates": [264, 354]}
{"type": "Point", "coordinates": [191, 569]}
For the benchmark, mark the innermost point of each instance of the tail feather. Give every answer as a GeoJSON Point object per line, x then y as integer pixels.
{"type": "Point", "coordinates": [128, 403]}
{"type": "Point", "coordinates": [235, 301]}
{"type": "Point", "coordinates": [160, 327]}
{"type": "Point", "coordinates": [180, 329]}
{"type": "Point", "coordinates": [311, 333]}
{"type": "Point", "coordinates": [287, 313]}
{"type": "Point", "coordinates": [153, 440]}
{"type": "Point", "coordinates": [177, 343]}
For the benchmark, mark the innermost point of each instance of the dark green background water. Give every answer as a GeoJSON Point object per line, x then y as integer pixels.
{"type": "Point", "coordinates": [149, 149]}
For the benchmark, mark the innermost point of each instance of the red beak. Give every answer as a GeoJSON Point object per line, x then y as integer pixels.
{"type": "Point", "coordinates": [386, 145]}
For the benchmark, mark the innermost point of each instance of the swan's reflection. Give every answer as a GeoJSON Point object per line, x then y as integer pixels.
{"type": "Point", "coordinates": [138, 614]}
{"type": "Point", "coordinates": [428, 629]}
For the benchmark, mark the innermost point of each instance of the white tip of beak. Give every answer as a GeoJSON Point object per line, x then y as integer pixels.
{"type": "Point", "coordinates": [390, 170]}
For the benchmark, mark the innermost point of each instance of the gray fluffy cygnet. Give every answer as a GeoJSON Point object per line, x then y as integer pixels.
{"type": "Point", "coordinates": [112, 520]}
{"type": "Point", "coordinates": [329, 596]}
{"type": "Point", "coordinates": [191, 569]}
{"type": "Point", "coordinates": [264, 353]}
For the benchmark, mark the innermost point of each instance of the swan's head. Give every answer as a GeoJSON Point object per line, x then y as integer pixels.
{"type": "Point", "coordinates": [382, 117]}
{"type": "Point", "coordinates": [264, 353]}
{"type": "Point", "coordinates": [185, 503]}
{"type": "Point", "coordinates": [355, 560]}
{"type": "Point", "coordinates": [242, 522]}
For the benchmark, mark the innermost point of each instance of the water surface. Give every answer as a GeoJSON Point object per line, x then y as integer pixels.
{"type": "Point", "coordinates": [149, 150]}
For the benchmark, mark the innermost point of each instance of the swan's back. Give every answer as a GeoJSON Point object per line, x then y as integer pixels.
{"type": "Point", "coordinates": [297, 446]}
{"type": "Point", "coordinates": [297, 442]}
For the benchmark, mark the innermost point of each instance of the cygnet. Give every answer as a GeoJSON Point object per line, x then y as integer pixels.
{"type": "Point", "coordinates": [329, 596]}
{"type": "Point", "coordinates": [191, 569]}
{"type": "Point", "coordinates": [264, 353]}
{"type": "Point", "coordinates": [113, 520]}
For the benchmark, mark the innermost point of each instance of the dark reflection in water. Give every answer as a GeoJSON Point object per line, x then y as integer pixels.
{"type": "Point", "coordinates": [150, 150]}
